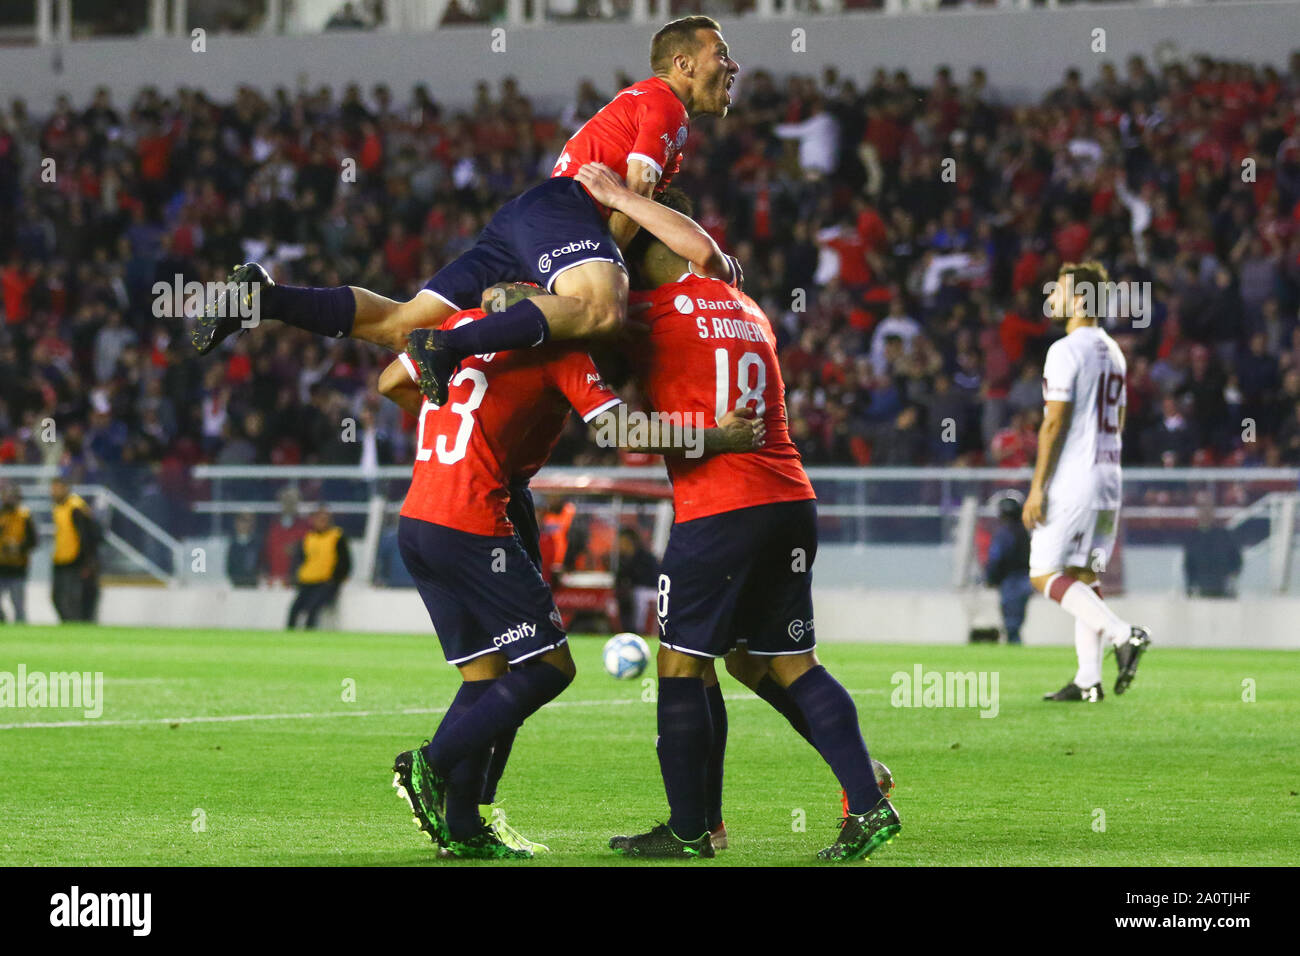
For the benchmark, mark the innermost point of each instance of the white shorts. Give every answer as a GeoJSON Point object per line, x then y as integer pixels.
{"type": "Point", "coordinates": [1073, 537]}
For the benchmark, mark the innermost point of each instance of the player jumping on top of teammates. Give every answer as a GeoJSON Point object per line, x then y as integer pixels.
{"type": "Point", "coordinates": [554, 234]}
{"type": "Point", "coordinates": [667, 220]}
{"type": "Point", "coordinates": [738, 565]}
{"type": "Point", "coordinates": [1072, 510]}
{"type": "Point", "coordinates": [494, 615]}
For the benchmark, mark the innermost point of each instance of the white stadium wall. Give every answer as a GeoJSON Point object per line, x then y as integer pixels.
{"type": "Point", "coordinates": [1024, 52]}
{"type": "Point", "coordinates": [910, 617]}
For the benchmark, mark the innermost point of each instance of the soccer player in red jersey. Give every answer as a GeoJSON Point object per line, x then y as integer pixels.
{"type": "Point", "coordinates": [738, 566]}
{"type": "Point", "coordinates": [493, 614]}
{"type": "Point", "coordinates": [555, 234]}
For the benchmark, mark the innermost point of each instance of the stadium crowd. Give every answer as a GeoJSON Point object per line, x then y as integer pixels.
{"type": "Point", "coordinates": [899, 234]}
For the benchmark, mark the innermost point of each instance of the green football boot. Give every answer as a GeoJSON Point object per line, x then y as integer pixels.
{"type": "Point", "coordinates": [424, 792]}
{"type": "Point", "coordinates": [663, 844]}
{"type": "Point", "coordinates": [484, 845]}
{"type": "Point", "coordinates": [863, 834]}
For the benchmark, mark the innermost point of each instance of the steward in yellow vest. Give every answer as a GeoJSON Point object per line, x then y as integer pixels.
{"type": "Point", "coordinates": [76, 549]}
{"type": "Point", "coordinates": [17, 539]}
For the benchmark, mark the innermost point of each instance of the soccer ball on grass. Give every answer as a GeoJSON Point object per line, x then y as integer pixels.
{"type": "Point", "coordinates": [626, 656]}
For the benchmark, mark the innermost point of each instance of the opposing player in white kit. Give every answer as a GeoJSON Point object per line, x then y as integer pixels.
{"type": "Point", "coordinates": [1072, 510]}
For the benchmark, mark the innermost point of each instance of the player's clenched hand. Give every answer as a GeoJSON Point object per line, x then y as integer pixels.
{"type": "Point", "coordinates": [1032, 513]}
{"type": "Point", "coordinates": [737, 273]}
{"type": "Point", "coordinates": [603, 183]}
{"type": "Point", "coordinates": [744, 430]}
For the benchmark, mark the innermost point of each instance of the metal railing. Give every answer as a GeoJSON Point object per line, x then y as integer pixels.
{"type": "Point", "coordinates": [136, 544]}
{"type": "Point", "coordinates": [870, 516]}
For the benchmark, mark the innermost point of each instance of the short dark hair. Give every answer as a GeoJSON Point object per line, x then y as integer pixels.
{"type": "Point", "coordinates": [676, 37]}
{"type": "Point", "coordinates": [674, 199]}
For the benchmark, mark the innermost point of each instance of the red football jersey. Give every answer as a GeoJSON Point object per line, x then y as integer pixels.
{"type": "Point", "coordinates": [646, 121]}
{"type": "Point", "coordinates": [504, 413]}
{"type": "Point", "coordinates": [710, 349]}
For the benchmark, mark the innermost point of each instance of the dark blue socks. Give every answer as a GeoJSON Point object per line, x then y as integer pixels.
{"type": "Point", "coordinates": [522, 326]}
{"type": "Point", "coordinates": [497, 765]}
{"type": "Point", "coordinates": [465, 781]}
{"type": "Point", "coordinates": [717, 756]}
{"type": "Point", "coordinates": [328, 311]}
{"type": "Point", "coordinates": [685, 742]}
{"type": "Point", "coordinates": [833, 719]}
{"type": "Point", "coordinates": [784, 704]}
{"type": "Point", "coordinates": [506, 704]}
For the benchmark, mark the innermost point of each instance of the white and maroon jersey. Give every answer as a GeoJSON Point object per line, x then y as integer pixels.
{"type": "Point", "coordinates": [1087, 369]}
{"type": "Point", "coordinates": [646, 122]}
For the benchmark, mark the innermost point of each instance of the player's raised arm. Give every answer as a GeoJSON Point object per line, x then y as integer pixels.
{"type": "Point", "coordinates": [641, 179]}
{"type": "Point", "coordinates": [680, 233]}
{"type": "Point", "coordinates": [737, 431]}
{"type": "Point", "coordinates": [1051, 438]}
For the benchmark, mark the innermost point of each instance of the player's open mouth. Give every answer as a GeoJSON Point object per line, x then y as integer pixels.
{"type": "Point", "coordinates": [726, 87]}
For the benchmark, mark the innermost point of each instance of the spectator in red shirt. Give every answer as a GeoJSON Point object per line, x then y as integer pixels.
{"type": "Point", "coordinates": [402, 255]}
{"type": "Point", "coordinates": [15, 287]}
{"type": "Point", "coordinates": [1070, 237]}
{"type": "Point", "coordinates": [282, 538]}
{"type": "Point", "coordinates": [1016, 445]}
{"type": "Point", "coordinates": [1020, 326]}
{"type": "Point", "coordinates": [154, 149]}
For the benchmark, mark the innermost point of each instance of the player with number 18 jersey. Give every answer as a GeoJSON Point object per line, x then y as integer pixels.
{"type": "Point", "coordinates": [711, 349]}
{"type": "Point", "coordinates": [738, 566]}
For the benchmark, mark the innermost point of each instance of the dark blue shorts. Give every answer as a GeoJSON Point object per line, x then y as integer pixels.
{"type": "Point", "coordinates": [483, 593]}
{"type": "Point", "coordinates": [534, 237]}
{"type": "Point", "coordinates": [742, 576]}
{"type": "Point", "coordinates": [523, 515]}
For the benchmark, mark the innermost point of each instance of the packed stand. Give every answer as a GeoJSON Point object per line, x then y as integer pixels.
{"type": "Point", "coordinates": [898, 235]}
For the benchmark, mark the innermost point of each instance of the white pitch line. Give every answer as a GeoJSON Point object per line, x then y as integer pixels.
{"type": "Point", "coordinates": [409, 711]}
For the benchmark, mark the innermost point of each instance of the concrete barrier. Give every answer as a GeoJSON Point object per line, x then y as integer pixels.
{"type": "Point", "coordinates": [843, 614]}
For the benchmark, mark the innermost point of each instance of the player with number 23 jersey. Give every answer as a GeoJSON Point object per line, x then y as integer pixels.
{"type": "Point", "coordinates": [503, 415]}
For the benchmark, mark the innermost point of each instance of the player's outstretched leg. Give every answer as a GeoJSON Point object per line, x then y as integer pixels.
{"type": "Point", "coordinates": [335, 312]}
{"type": "Point", "coordinates": [252, 295]}
{"type": "Point", "coordinates": [588, 299]}
{"type": "Point", "coordinates": [871, 821]}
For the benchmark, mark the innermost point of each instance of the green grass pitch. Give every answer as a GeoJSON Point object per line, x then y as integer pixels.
{"type": "Point", "coordinates": [1181, 770]}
